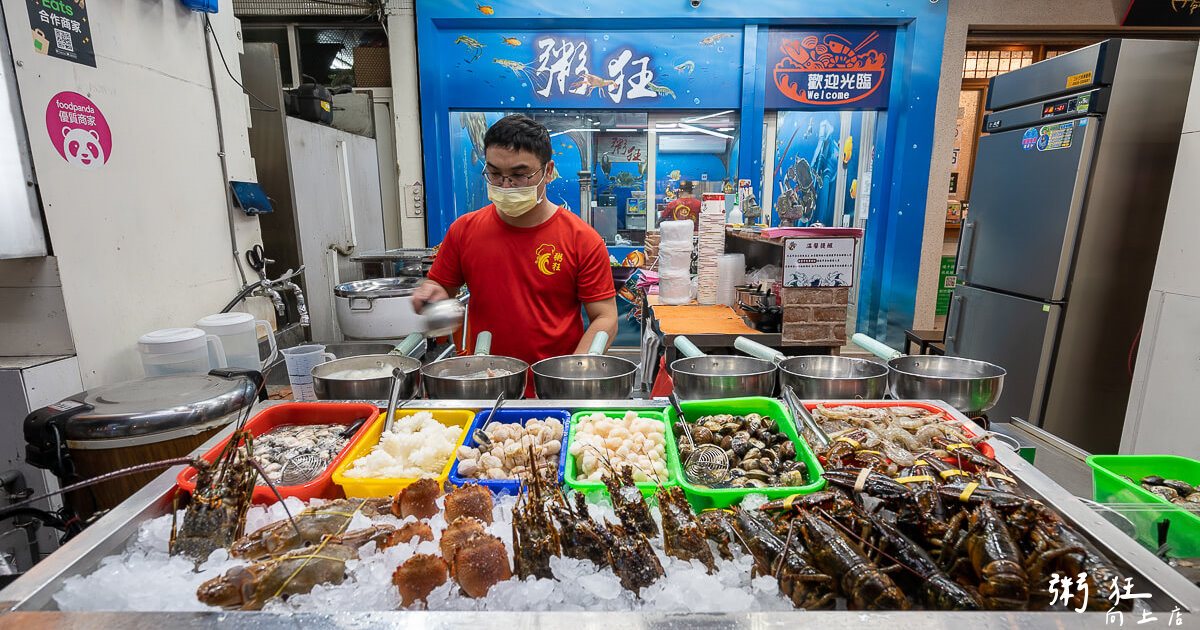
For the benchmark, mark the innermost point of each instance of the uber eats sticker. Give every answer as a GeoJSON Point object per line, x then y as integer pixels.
{"type": "Point", "coordinates": [60, 28]}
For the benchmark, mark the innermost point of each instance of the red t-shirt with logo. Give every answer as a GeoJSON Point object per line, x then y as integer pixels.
{"type": "Point", "coordinates": [527, 284]}
{"type": "Point", "coordinates": [681, 209]}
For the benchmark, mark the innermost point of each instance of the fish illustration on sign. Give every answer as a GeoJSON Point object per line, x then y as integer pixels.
{"type": "Point", "coordinates": [674, 176]}
{"type": "Point", "coordinates": [848, 150]}
{"type": "Point", "coordinates": [473, 46]}
{"type": "Point", "coordinates": [511, 41]}
{"type": "Point", "coordinates": [485, 9]}
{"type": "Point", "coordinates": [712, 39]}
{"type": "Point", "coordinates": [686, 67]}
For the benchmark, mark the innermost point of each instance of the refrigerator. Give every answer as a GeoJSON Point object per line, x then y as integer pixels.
{"type": "Point", "coordinates": [1056, 255]}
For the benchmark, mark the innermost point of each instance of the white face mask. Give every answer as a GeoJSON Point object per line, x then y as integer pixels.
{"type": "Point", "coordinates": [515, 202]}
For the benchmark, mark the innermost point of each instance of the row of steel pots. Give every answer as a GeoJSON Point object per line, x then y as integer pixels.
{"type": "Point", "coordinates": [591, 376]}
{"type": "Point", "coordinates": [970, 386]}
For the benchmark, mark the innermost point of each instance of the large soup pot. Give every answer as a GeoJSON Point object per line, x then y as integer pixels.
{"type": "Point", "coordinates": [136, 422]}
{"type": "Point", "coordinates": [381, 308]}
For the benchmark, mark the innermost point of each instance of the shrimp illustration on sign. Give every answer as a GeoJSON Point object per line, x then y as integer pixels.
{"type": "Point", "coordinates": [712, 39]}
{"type": "Point", "coordinates": [593, 83]}
{"type": "Point", "coordinates": [686, 67]}
{"type": "Point", "coordinates": [485, 9]}
{"type": "Point", "coordinates": [520, 69]}
{"type": "Point", "coordinates": [660, 90]}
{"type": "Point", "coordinates": [473, 46]}
{"type": "Point", "coordinates": [511, 41]}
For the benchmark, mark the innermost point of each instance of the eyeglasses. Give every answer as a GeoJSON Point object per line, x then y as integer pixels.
{"type": "Point", "coordinates": [515, 180]}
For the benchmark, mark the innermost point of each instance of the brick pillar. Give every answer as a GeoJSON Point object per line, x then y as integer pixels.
{"type": "Point", "coordinates": [815, 316]}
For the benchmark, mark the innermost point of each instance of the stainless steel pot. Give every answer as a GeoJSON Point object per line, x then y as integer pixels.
{"type": "Point", "coordinates": [329, 386]}
{"type": "Point", "coordinates": [969, 386]}
{"type": "Point", "coordinates": [823, 376]}
{"type": "Point", "coordinates": [457, 377]}
{"type": "Point", "coordinates": [591, 376]}
{"type": "Point", "coordinates": [833, 377]}
{"type": "Point", "coordinates": [381, 308]}
{"type": "Point", "coordinates": [698, 376]}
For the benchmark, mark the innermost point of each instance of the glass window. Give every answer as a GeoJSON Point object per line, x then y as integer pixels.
{"type": "Point", "coordinates": [273, 35]}
{"type": "Point", "coordinates": [327, 54]}
{"type": "Point", "coordinates": [607, 166]}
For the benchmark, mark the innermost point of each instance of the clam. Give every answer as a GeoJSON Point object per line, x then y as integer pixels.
{"type": "Point", "coordinates": [755, 483]}
{"type": "Point", "coordinates": [792, 478]}
{"type": "Point", "coordinates": [740, 443]}
{"type": "Point", "coordinates": [754, 453]}
{"type": "Point", "coordinates": [702, 435]}
{"type": "Point", "coordinates": [1153, 480]}
{"type": "Point", "coordinates": [787, 450]}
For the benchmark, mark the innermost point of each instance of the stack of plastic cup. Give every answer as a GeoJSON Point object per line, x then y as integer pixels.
{"type": "Point", "coordinates": [675, 262]}
{"type": "Point", "coordinates": [300, 362]}
{"type": "Point", "coordinates": [731, 271]}
{"type": "Point", "coordinates": [711, 245]}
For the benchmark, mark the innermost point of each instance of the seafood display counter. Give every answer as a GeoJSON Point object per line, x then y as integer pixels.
{"type": "Point", "coordinates": [29, 601]}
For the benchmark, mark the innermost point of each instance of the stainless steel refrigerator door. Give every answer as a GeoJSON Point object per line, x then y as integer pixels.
{"type": "Point", "coordinates": [1027, 198]}
{"type": "Point", "coordinates": [1015, 333]}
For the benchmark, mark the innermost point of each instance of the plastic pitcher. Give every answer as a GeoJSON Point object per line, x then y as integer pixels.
{"type": "Point", "coordinates": [239, 336]}
{"type": "Point", "coordinates": [180, 351]}
{"type": "Point", "coordinates": [300, 361]}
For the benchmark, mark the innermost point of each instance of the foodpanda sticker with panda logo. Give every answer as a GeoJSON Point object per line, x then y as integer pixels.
{"type": "Point", "coordinates": [78, 130]}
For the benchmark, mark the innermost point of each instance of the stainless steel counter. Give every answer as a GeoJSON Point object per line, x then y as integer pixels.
{"type": "Point", "coordinates": [28, 600]}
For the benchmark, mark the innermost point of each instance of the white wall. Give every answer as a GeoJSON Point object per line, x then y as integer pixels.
{"type": "Point", "coordinates": [1161, 416]}
{"type": "Point", "coordinates": [1045, 14]}
{"type": "Point", "coordinates": [142, 242]}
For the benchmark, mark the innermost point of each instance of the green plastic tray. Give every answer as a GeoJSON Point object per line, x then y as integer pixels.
{"type": "Point", "coordinates": [647, 488]}
{"type": "Point", "coordinates": [1183, 532]}
{"type": "Point", "coordinates": [707, 498]}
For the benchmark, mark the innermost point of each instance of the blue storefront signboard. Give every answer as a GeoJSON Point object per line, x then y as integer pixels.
{"type": "Point", "coordinates": [593, 69]}
{"type": "Point", "coordinates": [841, 68]}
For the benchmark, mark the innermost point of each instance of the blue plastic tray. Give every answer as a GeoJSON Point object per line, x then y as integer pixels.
{"type": "Point", "coordinates": [511, 416]}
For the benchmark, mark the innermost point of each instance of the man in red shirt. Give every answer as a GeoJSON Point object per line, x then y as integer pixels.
{"type": "Point", "coordinates": [530, 265]}
{"type": "Point", "coordinates": [686, 207]}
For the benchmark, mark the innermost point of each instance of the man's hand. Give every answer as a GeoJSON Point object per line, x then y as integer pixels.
{"type": "Point", "coordinates": [428, 292]}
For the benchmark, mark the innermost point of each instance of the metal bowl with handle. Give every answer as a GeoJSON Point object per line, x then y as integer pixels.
{"type": "Point", "coordinates": [969, 386]}
{"type": "Point", "coordinates": [829, 377]}
{"type": "Point", "coordinates": [698, 376]}
{"type": "Point", "coordinates": [591, 376]}
{"type": "Point", "coordinates": [330, 381]}
{"type": "Point", "coordinates": [466, 377]}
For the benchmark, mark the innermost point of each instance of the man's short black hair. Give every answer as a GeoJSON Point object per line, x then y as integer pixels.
{"type": "Point", "coordinates": [686, 186]}
{"type": "Point", "coordinates": [517, 132]}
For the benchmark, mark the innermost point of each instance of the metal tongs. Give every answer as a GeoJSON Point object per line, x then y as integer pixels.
{"type": "Point", "coordinates": [809, 429]}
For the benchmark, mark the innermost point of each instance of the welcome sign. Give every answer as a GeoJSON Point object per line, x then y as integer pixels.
{"type": "Point", "coordinates": [847, 68]}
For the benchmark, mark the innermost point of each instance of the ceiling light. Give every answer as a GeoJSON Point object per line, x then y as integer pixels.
{"type": "Point", "coordinates": [707, 131]}
{"type": "Point", "coordinates": [705, 117]}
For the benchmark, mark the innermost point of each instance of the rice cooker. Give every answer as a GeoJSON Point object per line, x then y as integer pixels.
{"type": "Point", "coordinates": [379, 308]}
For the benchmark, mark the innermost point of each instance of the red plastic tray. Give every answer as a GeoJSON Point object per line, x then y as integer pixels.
{"type": "Point", "coordinates": [984, 448]}
{"type": "Point", "coordinates": [291, 414]}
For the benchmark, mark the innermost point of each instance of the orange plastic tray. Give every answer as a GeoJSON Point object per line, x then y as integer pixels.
{"type": "Point", "coordinates": [292, 414]}
{"type": "Point", "coordinates": [984, 448]}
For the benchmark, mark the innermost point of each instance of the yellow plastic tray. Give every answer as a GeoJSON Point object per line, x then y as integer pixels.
{"type": "Point", "coordinates": [363, 488]}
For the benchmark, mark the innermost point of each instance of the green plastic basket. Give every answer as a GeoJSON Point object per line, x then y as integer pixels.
{"type": "Point", "coordinates": [1183, 530]}
{"type": "Point", "coordinates": [707, 498]}
{"type": "Point", "coordinates": [647, 488]}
